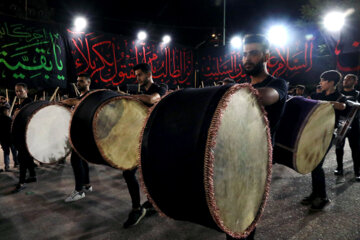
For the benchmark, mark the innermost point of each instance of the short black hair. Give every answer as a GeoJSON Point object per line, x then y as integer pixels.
{"type": "Point", "coordinates": [85, 75]}
{"type": "Point", "coordinates": [300, 87]}
{"type": "Point", "coordinates": [331, 75]}
{"type": "Point", "coordinates": [353, 76]}
{"type": "Point", "coordinates": [257, 38]}
{"type": "Point", "coordinates": [22, 85]}
{"type": "Point", "coordinates": [144, 67]}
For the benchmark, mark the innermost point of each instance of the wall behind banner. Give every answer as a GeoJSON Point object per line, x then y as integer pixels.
{"type": "Point", "coordinates": [31, 52]}
{"type": "Point", "coordinates": [109, 60]}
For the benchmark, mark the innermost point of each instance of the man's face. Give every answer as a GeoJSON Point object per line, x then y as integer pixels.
{"type": "Point", "coordinates": [141, 77]}
{"type": "Point", "coordinates": [253, 59]}
{"type": "Point", "coordinates": [325, 85]}
{"type": "Point", "coordinates": [82, 83]}
{"type": "Point", "coordinates": [299, 92]}
{"type": "Point", "coordinates": [21, 92]}
{"type": "Point", "coordinates": [349, 82]}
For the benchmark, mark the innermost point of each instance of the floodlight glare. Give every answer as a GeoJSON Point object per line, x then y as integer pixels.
{"type": "Point", "coordinates": [80, 23]}
{"type": "Point", "coordinates": [166, 39]}
{"type": "Point", "coordinates": [142, 35]}
{"type": "Point", "coordinates": [334, 21]}
{"type": "Point", "coordinates": [309, 37]}
{"type": "Point", "coordinates": [236, 42]}
{"type": "Point", "coordinates": [278, 35]}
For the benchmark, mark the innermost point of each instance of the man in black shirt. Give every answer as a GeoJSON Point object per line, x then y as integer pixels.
{"type": "Point", "coordinates": [152, 94]}
{"type": "Point", "coordinates": [318, 198]}
{"type": "Point", "coordinates": [272, 91]}
{"type": "Point", "coordinates": [353, 134]}
{"type": "Point", "coordinates": [25, 160]}
{"type": "Point", "coordinates": [80, 166]}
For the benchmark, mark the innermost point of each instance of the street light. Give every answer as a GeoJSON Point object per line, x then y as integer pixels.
{"type": "Point", "coordinates": [166, 39]}
{"type": "Point", "coordinates": [236, 42]}
{"type": "Point", "coordinates": [334, 21]}
{"type": "Point", "coordinates": [278, 35]}
{"type": "Point", "coordinates": [80, 24]}
{"type": "Point", "coordinates": [142, 35]}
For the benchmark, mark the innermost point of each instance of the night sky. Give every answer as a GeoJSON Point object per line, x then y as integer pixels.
{"type": "Point", "coordinates": [188, 22]}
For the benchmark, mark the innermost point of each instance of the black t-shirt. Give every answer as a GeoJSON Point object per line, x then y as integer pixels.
{"type": "Point", "coordinates": [5, 129]}
{"type": "Point", "coordinates": [155, 88]}
{"type": "Point", "coordinates": [354, 96]}
{"type": "Point", "coordinates": [24, 102]}
{"type": "Point", "coordinates": [82, 96]}
{"type": "Point", "coordinates": [335, 97]}
{"type": "Point", "coordinates": [276, 110]}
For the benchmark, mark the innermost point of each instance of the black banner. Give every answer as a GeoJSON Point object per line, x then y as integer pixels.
{"type": "Point", "coordinates": [109, 60]}
{"type": "Point", "coordinates": [31, 52]}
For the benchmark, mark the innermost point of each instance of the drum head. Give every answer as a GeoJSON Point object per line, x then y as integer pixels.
{"type": "Point", "coordinates": [117, 126]}
{"type": "Point", "coordinates": [315, 138]}
{"type": "Point", "coordinates": [238, 162]}
{"type": "Point", "coordinates": [47, 134]}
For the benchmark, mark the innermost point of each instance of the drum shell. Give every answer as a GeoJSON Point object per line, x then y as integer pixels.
{"type": "Point", "coordinates": [177, 163]}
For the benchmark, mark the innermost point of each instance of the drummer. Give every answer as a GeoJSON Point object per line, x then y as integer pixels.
{"type": "Point", "coordinates": [151, 95]}
{"type": "Point", "coordinates": [79, 166]}
{"type": "Point", "coordinates": [25, 160]}
{"type": "Point", "coordinates": [328, 80]}
{"type": "Point", "coordinates": [272, 91]}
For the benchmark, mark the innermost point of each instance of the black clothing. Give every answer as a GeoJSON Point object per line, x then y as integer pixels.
{"type": "Point", "coordinates": [276, 110]}
{"type": "Point", "coordinates": [129, 175]}
{"type": "Point", "coordinates": [353, 135]}
{"type": "Point", "coordinates": [81, 171]}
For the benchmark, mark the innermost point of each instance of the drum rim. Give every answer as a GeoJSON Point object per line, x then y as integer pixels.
{"type": "Point", "coordinates": [46, 104]}
{"type": "Point", "coordinates": [129, 97]}
{"type": "Point", "coordinates": [72, 117]}
{"type": "Point", "coordinates": [209, 160]}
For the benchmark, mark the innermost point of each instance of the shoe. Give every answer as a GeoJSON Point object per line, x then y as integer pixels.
{"type": "Point", "coordinates": [135, 217]}
{"type": "Point", "coordinates": [74, 196]}
{"type": "Point", "coordinates": [1, 170]}
{"type": "Point", "coordinates": [357, 178]}
{"type": "Point", "coordinates": [319, 204]}
{"type": "Point", "coordinates": [340, 179]}
{"type": "Point", "coordinates": [31, 179]}
{"type": "Point", "coordinates": [87, 188]}
{"type": "Point", "coordinates": [308, 200]}
{"type": "Point", "coordinates": [150, 210]}
{"type": "Point", "coordinates": [338, 172]}
{"type": "Point", "coordinates": [19, 187]}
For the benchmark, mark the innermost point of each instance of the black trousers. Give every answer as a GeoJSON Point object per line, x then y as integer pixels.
{"type": "Point", "coordinates": [81, 171]}
{"type": "Point", "coordinates": [353, 136]}
{"type": "Point", "coordinates": [318, 178]}
{"type": "Point", "coordinates": [133, 187]}
{"type": "Point", "coordinates": [26, 163]}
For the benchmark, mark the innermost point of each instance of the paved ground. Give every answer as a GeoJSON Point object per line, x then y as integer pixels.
{"type": "Point", "coordinates": [39, 212]}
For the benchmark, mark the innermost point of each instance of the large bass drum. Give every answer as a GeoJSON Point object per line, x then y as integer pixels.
{"type": "Point", "coordinates": [42, 129]}
{"type": "Point", "coordinates": [105, 129]}
{"type": "Point", "coordinates": [304, 134]}
{"type": "Point", "coordinates": [206, 157]}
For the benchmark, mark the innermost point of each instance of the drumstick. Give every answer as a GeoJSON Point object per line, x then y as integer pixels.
{"type": "Point", "coordinates": [19, 101]}
{"type": "Point", "coordinates": [138, 88]}
{"type": "Point", "coordinates": [58, 97]}
{"type": "Point", "coordinates": [202, 84]}
{"type": "Point", "coordinates": [76, 90]}
{"type": "Point", "coordinates": [7, 95]}
{"type": "Point", "coordinates": [178, 87]}
{"type": "Point", "coordinates": [53, 96]}
{"type": "Point", "coordinates": [215, 84]}
{"type": "Point", "coordinates": [35, 97]}
{"type": "Point", "coordinates": [118, 89]}
{"type": "Point", "coordinates": [44, 95]}
{"type": "Point", "coordinates": [12, 106]}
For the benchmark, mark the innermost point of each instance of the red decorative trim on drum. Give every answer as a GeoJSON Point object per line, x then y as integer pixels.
{"type": "Point", "coordinates": [142, 183]}
{"type": "Point", "coordinates": [72, 115]}
{"type": "Point", "coordinates": [28, 121]}
{"type": "Point", "coordinates": [94, 132]}
{"type": "Point", "coordinates": [300, 133]}
{"type": "Point", "coordinates": [210, 158]}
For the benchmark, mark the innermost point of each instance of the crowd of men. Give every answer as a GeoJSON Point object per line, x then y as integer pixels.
{"type": "Point", "coordinates": [273, 94]}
